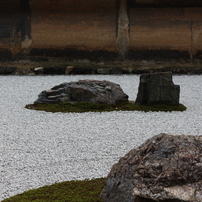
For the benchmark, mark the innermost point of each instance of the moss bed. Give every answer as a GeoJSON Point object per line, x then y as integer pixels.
{"type": "Point", "coordinates": [70, 191]}
{"type": "Point", "coordinates": [92, 107]}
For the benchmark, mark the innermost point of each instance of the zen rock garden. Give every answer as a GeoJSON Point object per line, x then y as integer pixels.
{"type": "Point", "coordinates": [165, 168]}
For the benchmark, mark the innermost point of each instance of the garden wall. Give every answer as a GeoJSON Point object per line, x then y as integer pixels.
{"type": "Point", "coordinates": [101, 29]}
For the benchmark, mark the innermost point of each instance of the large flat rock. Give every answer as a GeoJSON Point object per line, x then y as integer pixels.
{"type": "Point", "coordinates": [93, 91]}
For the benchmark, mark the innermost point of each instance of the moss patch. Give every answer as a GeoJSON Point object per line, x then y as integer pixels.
{"type": "Point", "coordinates": [71, 191]}
{"type": "Point", "coordinates": [94, 107]}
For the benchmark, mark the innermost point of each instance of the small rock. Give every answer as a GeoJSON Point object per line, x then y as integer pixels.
{"type": "Point", "coordinates": [69, 69]}
{"type": "Point", "coordinates": [115, 71]}
{"type": "Point", "coordinates": [38, 70]}
{"type": "Point", "coordinates": [103, 71]}
{"type": "Point", "coordinates": [23, 71]}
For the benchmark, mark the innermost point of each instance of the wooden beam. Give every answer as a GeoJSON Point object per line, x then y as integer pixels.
{"type": "Point", "coordinates": [26, 39]}
{"type": "Point", "coordinates": [122, 28]}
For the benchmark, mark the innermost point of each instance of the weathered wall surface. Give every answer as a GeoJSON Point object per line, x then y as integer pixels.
{"type": "Point", "coordinates": [169, 29]}
{"type": "Point", "coordinates": [83, 25]}
{"type": "Point", "coordinates": [166, 3]}
{"type": "Point", "coordinates": [166, 29]}
{"type": "Point", "coordinates": [9, 27]}
{"type": "Point", "coordinates": [134, 29]}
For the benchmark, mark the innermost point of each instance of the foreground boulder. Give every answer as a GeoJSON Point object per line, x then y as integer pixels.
{"type": "Point", "coordinates": [165, 168]}
{"type": "Point", "coordinates": [93, 91]}
{"type": "Point", "coordinates": [157, 88]}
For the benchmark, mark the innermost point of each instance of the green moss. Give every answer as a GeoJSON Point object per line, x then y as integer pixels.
{"type": "Point", "coordinates": [71, 191]}
{"type": "Point", "coordinates": [94, 107]}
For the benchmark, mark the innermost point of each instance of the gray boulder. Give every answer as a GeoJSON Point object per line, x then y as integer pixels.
{"type": "Point", "coordinates": [164, 168]}
{"type": "Point", "coordinates": [157, 88]}
{"type": "Point", "coordinates": [84, 91]}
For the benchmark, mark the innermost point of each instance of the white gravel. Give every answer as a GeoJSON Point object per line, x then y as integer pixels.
{"type": "Point", "coordinates": [39, 148]}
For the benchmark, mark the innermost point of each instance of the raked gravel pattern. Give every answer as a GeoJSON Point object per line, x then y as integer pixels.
{"type": "Point", "coordinates": [39, 148]}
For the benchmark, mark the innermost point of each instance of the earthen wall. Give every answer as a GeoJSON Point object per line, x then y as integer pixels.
{"type": "Point", "coordinates": [79, 24]}
{"type": "Point", "coordinates": [134, 29]}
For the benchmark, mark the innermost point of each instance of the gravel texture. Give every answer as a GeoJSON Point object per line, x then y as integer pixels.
{"type": "Point", "coordinates": [39, 148]}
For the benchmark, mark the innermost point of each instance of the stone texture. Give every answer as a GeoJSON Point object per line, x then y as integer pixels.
{"type": "Point", "coordinates": [80, 70]}
{"type": "Point", "coordinates": [84, 91]}
{"type": "Point", "coordinates": [7, 70]}
{"type": "Point", "coordinates": [114, 71]}
{"type": "Point", "coordinates": [54, 70]}
{"type": "Point", "coordinates": [158, 88]}
{"type": "Point", "coordinates": [164, 168]}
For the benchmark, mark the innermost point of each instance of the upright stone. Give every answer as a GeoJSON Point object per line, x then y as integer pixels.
{"type": "Point", "coordinates": [157, 88]}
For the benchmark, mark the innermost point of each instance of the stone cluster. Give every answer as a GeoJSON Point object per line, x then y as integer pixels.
{"type": "Point", "coordinates": [93, 91]}
{"type": "Point", "coordinates": [98, 69]}
{"type": "Point", "coordinates": [164, 168]}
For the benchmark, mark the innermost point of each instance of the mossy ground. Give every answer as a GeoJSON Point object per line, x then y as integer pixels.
{"type": "Point", "coordinates": [94, 107]}
{"type": "Point", "coordinates": [70, 191]}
